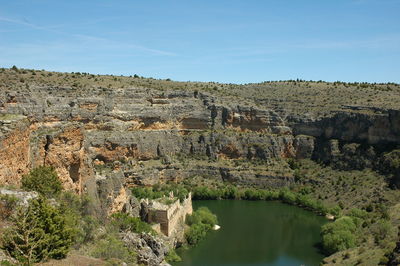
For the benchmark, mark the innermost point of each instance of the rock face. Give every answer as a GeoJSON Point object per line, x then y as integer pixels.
{"type": "Point", "coordinates": [151, 250]}
{"type": "Point", "coordinates": [101, 140]}
{"type": "Point", "coordinates": [23, 197]}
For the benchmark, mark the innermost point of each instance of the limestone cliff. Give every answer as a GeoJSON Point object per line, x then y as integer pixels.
{"type": "Point", "coordinates": [103, 140]}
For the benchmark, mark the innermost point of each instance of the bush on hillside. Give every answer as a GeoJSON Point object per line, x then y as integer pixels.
{"type": "Point", "coordinates": [7, 205]}
{"type": "Point", "coordinates": [196, 233]}
{"type": "Point", "coordinates": [200, 222]}
{"type": "Point", "coordinates": [339, 235]}
{"type": "Point", "coordinates": [44, 180]}
{"type": "Point", "coordinates": [124, 222]}
{"type": "Point", "coordinates": [172, 256]}
{"type": "Point", "coordinates": [202, 216]}
{"type": "Point", "coordinates": [39, 232]}
{"type": "Point", "coordinates": [385, 234]}
{"type": "Point", "coordinates": [111, 248]}
{"type": "Point", "coordinates": [156, 192]}
{"type": "Point", "coordinates": [75, 210]}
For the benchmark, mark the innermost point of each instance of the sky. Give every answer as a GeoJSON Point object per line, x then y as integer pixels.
{"type": "Point", "coordinates": [227, 41]}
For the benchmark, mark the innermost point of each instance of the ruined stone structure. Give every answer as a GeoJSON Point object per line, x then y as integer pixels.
{"type": "Point", "coordinates": [169, 217]}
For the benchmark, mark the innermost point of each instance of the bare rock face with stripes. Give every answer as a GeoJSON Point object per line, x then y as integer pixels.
{"type": "Point", "coordinates": [103, 140]}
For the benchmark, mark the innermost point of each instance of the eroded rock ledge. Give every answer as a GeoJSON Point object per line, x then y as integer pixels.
{"type": "Point", "coordinates": [102, 141]}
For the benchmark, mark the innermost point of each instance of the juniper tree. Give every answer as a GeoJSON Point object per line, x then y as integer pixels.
{"type": "Point", "coordinates": [39, 232]}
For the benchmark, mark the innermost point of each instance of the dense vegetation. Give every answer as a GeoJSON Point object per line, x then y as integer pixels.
{"type": "Point", "coordinates": [228, 191]}
{"type": "Point", "coordinates": [200, 222]}
{"type": "Point", "coordinates": [158, 191]}
{"type": "Point", "coordinates": [39, 232]}
{"type": "Point", "coordinates": [368, 230]}
{"type": "Point", "coordinates": [43, 180]}
{"type": "Point", "coordinates": [373, 235]}
{"type": "Point", "coordinates": [58, 221]}
{"type": "Point", "coordinates": [339, 235]}
{"type": "Point", "coordinates": [123, 222]}
{"type": "Point", "coordinates": [284, 195]}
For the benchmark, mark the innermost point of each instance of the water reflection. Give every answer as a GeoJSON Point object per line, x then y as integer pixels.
{"type": "Point", "coordinates": [258, 233]}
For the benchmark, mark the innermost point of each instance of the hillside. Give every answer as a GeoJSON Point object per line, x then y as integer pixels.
{"type": "Point", "coordinates": [106, 134]}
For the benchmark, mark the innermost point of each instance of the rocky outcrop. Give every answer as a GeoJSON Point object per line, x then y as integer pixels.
{"type": "Point", "coordinates": [377, 126]}
{"type": "Point", "coordinates": [14, 150]}
{"type": "Point", "coordinates": [151, 250]}
{"type": "Point", "coordinates": [98, 138]}
{"type": "Point", "coordinates": [23, 197]}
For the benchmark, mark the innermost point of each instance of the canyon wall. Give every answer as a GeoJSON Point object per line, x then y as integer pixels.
{"type": "Point", "coordinates": [102, 141]}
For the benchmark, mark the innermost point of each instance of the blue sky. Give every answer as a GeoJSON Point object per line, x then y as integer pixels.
{"type": "Point", "coordinates": [208, 40]}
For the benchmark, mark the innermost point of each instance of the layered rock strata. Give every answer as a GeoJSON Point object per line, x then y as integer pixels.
{"type": "Point", "coordinates": [101, 140]}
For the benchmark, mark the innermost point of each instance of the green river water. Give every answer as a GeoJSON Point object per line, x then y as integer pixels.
{"type": "Point", "coordinates": [257, 233]}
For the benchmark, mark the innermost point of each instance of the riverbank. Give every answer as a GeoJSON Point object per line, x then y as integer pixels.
{"type": "Point", "coordinates": [361, 195]}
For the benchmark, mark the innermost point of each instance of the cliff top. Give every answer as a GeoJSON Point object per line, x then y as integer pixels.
{"type": "Point", "coordinates": [291, 97]}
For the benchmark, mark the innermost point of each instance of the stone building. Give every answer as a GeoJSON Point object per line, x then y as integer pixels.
{"type": "Point", "coordinates": [167, 214]}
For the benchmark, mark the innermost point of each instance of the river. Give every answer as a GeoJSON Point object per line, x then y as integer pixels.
{"type": "Point", "coordinates": [257, 233]}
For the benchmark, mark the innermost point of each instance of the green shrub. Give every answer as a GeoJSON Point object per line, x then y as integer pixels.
{"type": "Point", "coordinates": [385, 234]}
{"type": "Point", "coordinates": [39, 232]}
{"type": "Point", "coordinates": [156, 192]}
{"type": "Point", "coordinates": [111, 247]}
{"type": "Point", "coordinates": [196, 233]}
{"type": "Point", "coordinates": [44, 180]}
{"type": "Point", "coordinates": [253, 194]}
{"type": "Point", "coordinates": [202, 216]}
{"type": "Point", "coordinates": [335, 210]}
{"type": "Point", "coordinates": [206, 193]}
{"type": "Point", "coordinates": [201, 221]}
{"type": "Point", "coordinates": [339, 235]}
{"type": "Point", "coordinates": [86, 230]}
{"type": "Point", "coordinates": [7, 205]}
{"type": "Point", "coordinates": [75, 210]}
{"type": "Point", "coordinates": [6, 263]}
{"type": "Point", "coordinates": [287, 196]}
{"type": "Point", "coordinates": [230, 192]}
{"type": "Point", "coordinates": [124, 222]}
{"type": "Point", "coordinates": [172, 256]}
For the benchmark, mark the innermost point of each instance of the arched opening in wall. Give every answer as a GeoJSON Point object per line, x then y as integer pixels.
{"type": "Point", "coordinates": [74, 172]}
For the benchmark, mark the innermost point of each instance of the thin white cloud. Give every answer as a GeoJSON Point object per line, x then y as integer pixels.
{"type": "Point", "coordinates": [379, 42]}
{"type": "Point", "coordinates": [21, 22]}
{"type": "Point", "coordinates": [90, 38]}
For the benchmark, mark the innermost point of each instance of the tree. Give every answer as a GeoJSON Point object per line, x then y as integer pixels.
{"type": "Point", "coordinates": [111, 247]}
{"type": "Point", "coordinates": [196, 233]}
{"type": "Point", "coordinates": [23, 239]}
{"type": "Point", "coordinates": [202, 216]}
{"type": "Point", "coordinates": [44, 180]}
{"type": "Point", "coordinates": [39, 232]}
{"type": "Point", "coordinates": [200, 222]}
{"type": "Point", "coordinates": [339, 235]}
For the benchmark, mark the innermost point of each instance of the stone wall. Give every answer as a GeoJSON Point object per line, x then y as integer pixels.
{"type": "Point", "coordinates": [170, 217]}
